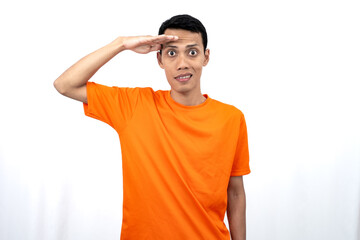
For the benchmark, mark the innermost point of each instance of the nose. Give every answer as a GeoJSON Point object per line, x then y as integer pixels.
{"type": "Point", "coordinates": [182, 63]}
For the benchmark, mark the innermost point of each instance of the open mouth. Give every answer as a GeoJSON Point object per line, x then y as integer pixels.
{"type": "Point", "coordinates": [183, 77]}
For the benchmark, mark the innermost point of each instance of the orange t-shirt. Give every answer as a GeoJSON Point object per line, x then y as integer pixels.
{"type": "Point", "coordinates": [177, 160]}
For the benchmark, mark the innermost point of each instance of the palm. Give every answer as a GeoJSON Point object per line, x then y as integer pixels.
{"type": "Point", "coordinates": [146, 44]}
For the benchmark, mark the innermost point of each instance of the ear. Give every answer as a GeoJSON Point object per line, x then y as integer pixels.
{"type": "Point", "coordinates": [207, 57]}
{"type": "Point", "coordinates": [158, 55]}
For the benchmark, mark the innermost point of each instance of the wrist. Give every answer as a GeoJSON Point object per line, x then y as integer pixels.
{"type": "Point", "coordinates": [118, 44]}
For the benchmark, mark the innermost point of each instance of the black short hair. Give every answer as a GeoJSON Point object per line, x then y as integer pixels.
{"type": "Point", "coordinates": [185, 22]}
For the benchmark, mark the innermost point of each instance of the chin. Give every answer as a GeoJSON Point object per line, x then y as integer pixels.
{"type": "Point", "coordinates": [182, 89]}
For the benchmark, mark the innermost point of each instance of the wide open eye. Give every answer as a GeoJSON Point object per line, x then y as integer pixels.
{"type": "Point", "coordinates": [193, 52]}
{"type": "Point", "coordinates": [171, 53]}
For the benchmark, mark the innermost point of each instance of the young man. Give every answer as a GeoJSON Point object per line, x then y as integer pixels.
{"type": "Point", "coordinates": [183, 153]}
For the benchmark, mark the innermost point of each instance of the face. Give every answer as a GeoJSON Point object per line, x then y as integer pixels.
{"type": "Point", "coordinates": [183, 61]}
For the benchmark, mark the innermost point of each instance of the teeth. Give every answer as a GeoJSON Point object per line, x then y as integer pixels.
{"type": "Point", "coordinates": [188, 76]}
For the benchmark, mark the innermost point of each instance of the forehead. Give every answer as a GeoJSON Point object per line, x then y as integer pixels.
{"type": "Point", "coordinates": [185, 37]}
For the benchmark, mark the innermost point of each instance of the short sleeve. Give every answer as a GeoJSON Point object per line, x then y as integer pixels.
{"type": "Point", "coordinates": [112, 105]}
{"type": "Point", "coordinates": [241, 161]}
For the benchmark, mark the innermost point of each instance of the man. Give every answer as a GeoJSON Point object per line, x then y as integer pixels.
{"type": "Point", "coordinates": [183, 153]}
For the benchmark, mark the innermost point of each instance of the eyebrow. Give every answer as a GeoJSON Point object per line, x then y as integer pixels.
{"type": "Point", "coordinates": [187, 46]}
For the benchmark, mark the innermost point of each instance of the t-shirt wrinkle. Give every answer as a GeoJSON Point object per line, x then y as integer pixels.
{"type": "Point", "coordinates": [176, 160]}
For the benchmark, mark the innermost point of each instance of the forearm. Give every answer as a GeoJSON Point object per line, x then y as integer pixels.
{"type": "Point", "coordinates": [236, 213]}
{"type": "Point", "coordinates": [79, 73]}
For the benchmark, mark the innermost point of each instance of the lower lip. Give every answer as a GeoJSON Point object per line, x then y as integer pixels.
{"type": "Point", "coordinates": [183, 79]}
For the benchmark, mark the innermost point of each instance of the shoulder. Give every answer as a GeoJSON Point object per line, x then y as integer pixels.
{"type": "Point", "coordinates": [140, 89]}
{"type": "Point", "coordinates": [142, 94]}
{"type": "Point", "coordinates": [129, 93]}
{"type": "Point", "coordinates": [129, 90]}
{"type": "Point", "coordinates": [229, 109]}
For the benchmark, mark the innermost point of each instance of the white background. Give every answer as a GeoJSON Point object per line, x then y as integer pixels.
{"type": "Point", "coordinates": [292, 67]}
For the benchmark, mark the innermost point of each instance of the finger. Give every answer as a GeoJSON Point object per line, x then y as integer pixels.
{"type": "Point", "coordinates": [164, 38]}
{"type": "Point", "coordinates": [153, 40]}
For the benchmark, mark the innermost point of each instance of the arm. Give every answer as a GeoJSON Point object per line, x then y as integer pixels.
{"type": "Point", "coordinates": [236, 208]}
{"type": "Point", "coordinates": [72, 83]}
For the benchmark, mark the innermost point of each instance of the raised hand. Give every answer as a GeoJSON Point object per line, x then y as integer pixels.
{"type": "Point", "coordinates": [72, 82]}
{"type": "Point", "coordinates": [146, 44]}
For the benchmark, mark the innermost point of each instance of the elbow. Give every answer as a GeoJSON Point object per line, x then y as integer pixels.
{"type": "Point", "coordinates": [59, 87]}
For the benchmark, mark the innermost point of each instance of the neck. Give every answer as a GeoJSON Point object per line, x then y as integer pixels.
{"type": "Point", "coordinates": [188, 99]}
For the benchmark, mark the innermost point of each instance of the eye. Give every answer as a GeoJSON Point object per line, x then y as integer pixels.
{"type": "Point", "coordinates": [193, 52]}
{"type": "Point", "coordinates": [171, 53]}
